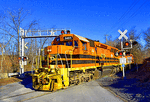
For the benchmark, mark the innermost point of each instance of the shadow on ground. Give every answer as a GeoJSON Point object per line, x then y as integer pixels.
{"type": "Point", "coordinates": [27, 81]}
{"type": "Point", "coordinates": [129, 89]}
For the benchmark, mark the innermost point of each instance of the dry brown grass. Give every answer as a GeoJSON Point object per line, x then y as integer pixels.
{"type": "Point", "coordinates": [143, 73]}
{"type": "Point", "coordinates": [10, 64]}
{"type": "Point", "coordinates": [9, 81]}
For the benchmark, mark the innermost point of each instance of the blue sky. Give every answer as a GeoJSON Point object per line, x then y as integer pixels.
{"type": "Point", "coordinates": [92, 19]}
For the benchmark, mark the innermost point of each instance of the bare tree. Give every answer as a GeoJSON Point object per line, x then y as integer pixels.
{"type": "Point", "coordinates": [10, 23]}
{"type": "Point", "coordinates": [147, 37]}
{"type": "Point", "coordinates": [2, 50]}
{"type": "Point", "coordinates": [137, 49]}
{"type": "Point", "coordinates": [147, 40]}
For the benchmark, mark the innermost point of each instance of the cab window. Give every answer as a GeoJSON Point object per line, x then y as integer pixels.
{"type": "Point", "coordinates": [61, 43]}
{"type": "Point", "coordinates": [84, 45]}
{"type": "Point", "coordinates": [68, 43]}
{"type": "Point", "coordinates": [75, 43]}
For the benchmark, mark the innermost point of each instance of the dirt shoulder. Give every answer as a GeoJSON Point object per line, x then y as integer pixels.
{"type": "Point", "coordinates": [9, 80]}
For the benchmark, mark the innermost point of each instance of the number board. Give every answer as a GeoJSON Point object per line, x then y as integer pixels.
{"type": "Point", "coordinates": [68, 38]}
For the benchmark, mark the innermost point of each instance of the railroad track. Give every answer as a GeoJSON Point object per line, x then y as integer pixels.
{"type": "Point", "coordinates": [24, 96]}
{"type": "Point", "coordinates": [34, 94]}
{"type": "Point", "coordinates": [16, 95]}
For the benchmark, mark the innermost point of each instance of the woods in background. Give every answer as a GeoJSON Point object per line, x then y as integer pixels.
{"type": "Point", "coordinates": [12, 20]}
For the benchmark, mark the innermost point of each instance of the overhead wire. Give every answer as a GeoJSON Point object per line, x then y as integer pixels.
{"type": "Point", "coordinates": [133, 14]}
{"type": "Point", "coordinates": [128, 10]}
{"type": "Point", "coordinates": [124, 14]}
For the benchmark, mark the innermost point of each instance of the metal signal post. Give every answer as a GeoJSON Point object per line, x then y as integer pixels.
{"type": "Point", "coordinates": [122, 60]}
{"type": "Point", "coordinates": [22, 54]}
{"type": "Point", "coordinates": [23, 33]}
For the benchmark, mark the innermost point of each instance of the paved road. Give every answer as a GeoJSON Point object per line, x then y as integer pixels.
{"type": "Point", "coordinates": [86, 92]}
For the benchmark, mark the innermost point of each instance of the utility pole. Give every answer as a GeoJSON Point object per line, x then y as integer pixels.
{"type": "Point", "coordinates": [106, 38]}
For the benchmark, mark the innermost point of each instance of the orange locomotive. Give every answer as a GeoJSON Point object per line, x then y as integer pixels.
{"type": "Point", "coordinates": [72, 59]}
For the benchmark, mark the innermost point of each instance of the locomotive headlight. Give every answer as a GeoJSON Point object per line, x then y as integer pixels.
{"type": "Point", "coordinates": [49, 50]}
{"type": "Point", "coordinates": [52, 71]}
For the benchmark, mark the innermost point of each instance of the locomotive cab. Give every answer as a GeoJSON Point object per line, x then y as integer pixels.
{"type": "Point", "coordinates": [66, 43]}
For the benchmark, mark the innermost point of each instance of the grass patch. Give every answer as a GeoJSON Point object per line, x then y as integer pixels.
{"type": "Point", "coordinates": [9, 80]}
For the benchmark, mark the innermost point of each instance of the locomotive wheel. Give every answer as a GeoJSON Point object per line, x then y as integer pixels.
{"type": "Point", "coordinates": [76, 82]}
{"type": "Point", "coordinates": [87, 79]}
{"type": "Point", "coordinates": [91, 77]}
{"type": "Point", "coordinates": [70, 82]}
{"type": "Point", "coordinates": [82, 79]}
{"type": "Point", "coordinates": [114, 71]}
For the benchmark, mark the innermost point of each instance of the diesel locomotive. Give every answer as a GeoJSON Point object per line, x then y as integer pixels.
{"type": "Point", "coordinates": [73, 59]}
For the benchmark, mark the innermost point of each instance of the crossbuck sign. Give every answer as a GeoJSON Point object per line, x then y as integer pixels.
{"type": "Point", "coordinates": [122, 34]}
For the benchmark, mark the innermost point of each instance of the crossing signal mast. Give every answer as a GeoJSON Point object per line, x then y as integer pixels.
{"type": "Point", "coordinates": [126, 45]}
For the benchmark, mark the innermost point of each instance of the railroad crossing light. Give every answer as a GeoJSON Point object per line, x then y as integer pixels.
{"type": "Point", "coordinates": [128, 53]}
{"type": "Point", "coordinates": [19, 58]}
{"type": "Point", "coordinates": [134, 42]}
{"type": "Point", "coordinates": [68, 31]}
{"type": "Point", "coordinates": [25, 58]}
{"type": "Point", "coordinates": [62, 32]}
{"type": "Point", "coordinates": [126, 44]}
{"type": "Point", "coordinates": [121, 53]}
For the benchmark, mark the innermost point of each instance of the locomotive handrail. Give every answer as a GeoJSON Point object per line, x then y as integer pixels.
{"type": "Point", "coordinates": [61, 60]}
{"type": "Point", "coordinates": [70, 56]}
{"type": "Point", "coordinates": [48, 60]}
{"type": "Point", "coordinates": [40, 61]}
{"type": "Point", "coordinates": [71, 60]}
{"type": "Point", "coordinates": [66, 60]}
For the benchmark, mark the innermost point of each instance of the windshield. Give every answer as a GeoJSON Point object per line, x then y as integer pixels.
{"type": "Point", "coordinates": [68, 43]}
